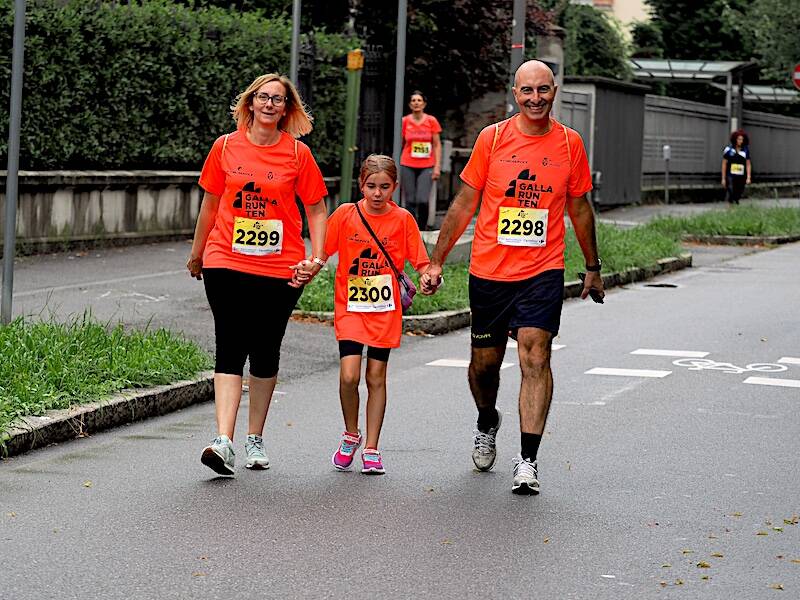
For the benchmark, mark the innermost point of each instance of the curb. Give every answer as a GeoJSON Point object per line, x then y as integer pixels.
{"type": "Point", "coordinates": [450, 320]}
{"type": "Point", "coordinates": [55, 426]}
{"type": "Point", "coordinates": [741, 240]}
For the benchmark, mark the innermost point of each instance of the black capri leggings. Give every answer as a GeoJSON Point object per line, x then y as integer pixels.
{"type": "Point", "coordinates": [250, 317]}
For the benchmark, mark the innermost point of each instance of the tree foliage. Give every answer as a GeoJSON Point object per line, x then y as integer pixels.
{"type": "Point", "coordinates": [593, 45]}
{"type": "Point", "coordinates": [149, 84]}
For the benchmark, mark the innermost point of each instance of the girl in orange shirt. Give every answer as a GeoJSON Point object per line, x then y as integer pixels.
{"type": "Point", "coordinates": [367, 299]}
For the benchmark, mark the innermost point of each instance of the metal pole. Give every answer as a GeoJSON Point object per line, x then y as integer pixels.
{"type": "Point", "coordinates": [517, 51]}
{"type": "Point", "coordinates": [399, 78]}
{"type": "Point", "coordinates": [355, 64]}
{"type": "Point", "coordinates": [667, 150]}
{"type": "Point", "coordinates": [10, 232]}
{"type": "Point", "coordinates": [295, 41]}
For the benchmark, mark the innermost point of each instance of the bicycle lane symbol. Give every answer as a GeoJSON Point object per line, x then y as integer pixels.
{"type": "Point", "coordinates": [706, 364]}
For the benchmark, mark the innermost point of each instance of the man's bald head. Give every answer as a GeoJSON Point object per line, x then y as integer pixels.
{"type": "Point", "coordinates": [533, 69]}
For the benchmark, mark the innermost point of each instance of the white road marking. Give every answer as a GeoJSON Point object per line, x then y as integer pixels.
{"type": "Point", "coordinates": [789, 360]}
{"type": "Point", "coordinates": [625, 388]}
{"type": "Point", "coordinates": [627, 372]}
{"type": "Point", "coordinates": [677, 353]}
{"type": "Point", "coordinates": [513, 344]}
{"type": "Point", "coordinates": [569, 403]}
{"type": "Point", "coordinates": [455, 362]}
{"type": "Point", "coordinates": [773, 381]}
{"type": "Point", "coordinates": [707, 411]}
{"type": "Point", "coordinates": [61, 288]}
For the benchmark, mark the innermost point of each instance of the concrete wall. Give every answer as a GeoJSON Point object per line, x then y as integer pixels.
{"type": "Point", "coordinates": [63, 208]}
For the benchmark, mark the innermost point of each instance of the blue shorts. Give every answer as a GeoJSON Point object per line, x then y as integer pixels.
{"type": "Point", "coordinates": [500, 308]}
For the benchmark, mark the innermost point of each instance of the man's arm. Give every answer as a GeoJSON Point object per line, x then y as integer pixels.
{"type": "Point", "coordinates": [455, 222]}
{"type": "Point", "coordinates": [582, 217]}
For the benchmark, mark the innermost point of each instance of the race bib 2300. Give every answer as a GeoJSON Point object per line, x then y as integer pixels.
{"type": "Point", "coordinates": [522, 226]}
{"type": "Point", "coordinates": [370, 294]}
{"type": "Point", "coordinates": [257, 237]}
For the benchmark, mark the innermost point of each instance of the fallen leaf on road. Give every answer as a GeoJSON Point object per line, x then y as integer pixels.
{"type": "Point", "coordinates": [428, 489]}
{"type": "Point", "coordinates": [776, 586]}
{"type": "Point", "coordinates": [779, 557]}
{"type": "Point", "coordinates": [546, 540]}
{"type": "Point", "coordinates": [662, 583]}
{"type": "Point", "coordinates": [717, 555]}
{"type": "Point", "coordinates": [679, 582]}
{"type": "Point", "coordinates": [202, 557]}
{"type": "Point", "coordinates": [11, 514]}
{"type": "Point", "coordinates": [780, 529]}
{"type": "Point", "coordinates": [711, 536]}
{"type": "Point", "coordinates": [703, 565]}
{"type": "Point", "coordinates": [763, 339]}
{"type": "Point", "coordinates": [687, 551]}
{"type": "Point", "coordinates": [446, 542]}
{"type": "Point", "coordinates": [705, 578]}
{"type": "Point", "coordinates": [608, 576]}
{"type": "Point", "coordinates": [736, 514]}
{"type": "Point", "coordinates": [199, 574]}
{"type": "Point", "coordinates": [288, 423]}
{"type": "Point", "coordinates": [666, 566]}
{"type": "Point", "coordinates": [87, 484]}
{"type": "Point", "coordinates": [763, 533]}
{"type": "Point", "coordinates": [795, 561]}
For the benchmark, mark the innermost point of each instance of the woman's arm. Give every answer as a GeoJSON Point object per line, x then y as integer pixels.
{"type": "Point", "coordinates": [749, 171]}
{"type": "Point", "coordinates": [437, 155]}
{"type": "Point", "coordinates": [203, 227]}
{"type": "Point", "coordinates": [724, 172]}
{"type": "Point", "coordinates": [305, 270]}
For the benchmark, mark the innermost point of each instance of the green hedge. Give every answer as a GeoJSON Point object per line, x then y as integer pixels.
{"type": "Point", "coordinates": [148, 85]}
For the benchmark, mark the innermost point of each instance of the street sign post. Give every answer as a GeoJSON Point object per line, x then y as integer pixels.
{"type": "Point", "coordinates": [796, 76]}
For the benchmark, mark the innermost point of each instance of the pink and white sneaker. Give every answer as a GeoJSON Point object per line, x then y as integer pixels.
{"type": "Point", "coordinates": [371, 459]}
{"type": "Point", "coordinates": [344, 455]}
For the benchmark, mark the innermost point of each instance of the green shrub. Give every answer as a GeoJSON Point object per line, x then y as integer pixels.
{"type": "Point", "coordinates": [149, 85]}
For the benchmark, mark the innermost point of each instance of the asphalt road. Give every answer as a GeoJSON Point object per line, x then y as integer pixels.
{"type": "Point", "coordinates": [643, 477]}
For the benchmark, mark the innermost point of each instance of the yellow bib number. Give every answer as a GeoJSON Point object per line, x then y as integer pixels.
{"type": "Point", "coordinates": [420, 149]}
{"type": "Point", "coordinates": [737, 169]}
{"type": "Point", "coordinates": [370, 294]}
{"type": "Point", "coordinates": [257, 237]}
{"type": "Point", "coordinates": [522, 226]}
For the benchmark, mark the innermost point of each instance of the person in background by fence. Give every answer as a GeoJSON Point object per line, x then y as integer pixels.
{"type": "Point", "coordinates": [736, 169]}
{"type": "Point", "coordinates": [420, 159]}
{"type": "Point", "coordinates": [249, 251]}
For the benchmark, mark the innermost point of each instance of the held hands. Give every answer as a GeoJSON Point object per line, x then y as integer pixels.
{"type": "Point", "coordinates": [437, 172]}
{"type": "Point", "coordinates": [431, 280]}
{"type": "Point", "coordinates": [195, 266]}
{"type": "Point", "coordinates": [303, 272]}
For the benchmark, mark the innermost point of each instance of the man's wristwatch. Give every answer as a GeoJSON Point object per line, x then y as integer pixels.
{"type": "Point", "coordinates": [595, 268]}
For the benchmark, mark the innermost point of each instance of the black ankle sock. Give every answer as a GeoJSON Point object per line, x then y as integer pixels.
{"type": "Point", "coordinates": [487, 418]}
{"type": "Point", "coordinates": [530, 445]}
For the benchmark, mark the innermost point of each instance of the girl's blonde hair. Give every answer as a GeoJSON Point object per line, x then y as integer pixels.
{"type": "Point", "coordinates": [297, 121]}
{"type": "Point", "coordinates": [377, 163]}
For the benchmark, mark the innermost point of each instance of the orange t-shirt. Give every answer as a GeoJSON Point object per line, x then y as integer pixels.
{"type": "Point", "coordinates": [525, 181]}
{"type": "Point", "coordinates": [366, 291]}
{"type": "Point", "coordinates": [418, 142]}
{"type": "Point", "coordinates": [258, 227]}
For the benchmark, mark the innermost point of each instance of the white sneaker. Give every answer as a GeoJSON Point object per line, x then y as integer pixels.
{"type": "Point", "coordinates": [219, 456]}
{"type": "Point", "coordinates": [484, 451]}
{"type": "Point", "coordinates": [526, 477]}
{"type": "Point", "coordinates": [256, 457]}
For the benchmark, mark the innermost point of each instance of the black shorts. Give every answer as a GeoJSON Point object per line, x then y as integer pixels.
{"type": "Point", "coordinates": [250, 317]}
{"type": "Point", "coordinates": [502, 307]}
{"type": "Point", "coordinates": [351, 348]}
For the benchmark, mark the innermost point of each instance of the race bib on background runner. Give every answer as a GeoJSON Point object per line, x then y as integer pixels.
{"type": "Point", "coordinates": [737, 169]}
{"type": "Point", "coordinates": [522, 226]}
{"type": "Point", "coordinates": [420, 149]}
{"type": "Point", "coordinates": [370, 294]}
{"type": "Point", "coordinates": [257, 237]}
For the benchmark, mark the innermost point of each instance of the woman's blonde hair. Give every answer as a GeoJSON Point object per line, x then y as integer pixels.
{"type": "Point", "coordinates": [377, 163]}
{"type": "Point", "coordinates": [297, 121]}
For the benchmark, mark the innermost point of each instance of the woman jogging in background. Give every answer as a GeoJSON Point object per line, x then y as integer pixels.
{"type": "Point", "coordinates": [367, 299]}
{"type": "Point", "coordinates": [736, 169]}
{"type": "Point", "coordinates": [249, 251]}
{"type": "Point", "coordinates": [421, 158]}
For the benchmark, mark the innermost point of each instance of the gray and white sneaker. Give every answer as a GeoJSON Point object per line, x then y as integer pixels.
{"type": "Point", "coordinates": [256, 458]}
{"type": "Point", "coordinates": [219, 456]}
{"type": "Point", "coordinates": [484, 451]}
{"type": "Point", "coordinates": [526, 477]}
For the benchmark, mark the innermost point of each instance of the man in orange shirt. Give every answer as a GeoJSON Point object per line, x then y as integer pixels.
{"type": "Point", "coordinates": [524, 171]}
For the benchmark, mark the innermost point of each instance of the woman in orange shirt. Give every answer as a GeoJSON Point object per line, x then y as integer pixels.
{"type": "Point", "coordinates": [249, 251]}
{"type": "Point", "coordinates": [421, 158]}
{"type": "Point", "coordinates": [367, 299]}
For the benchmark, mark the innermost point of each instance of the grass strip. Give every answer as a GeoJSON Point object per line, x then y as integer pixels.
{"type": "Point", "coordinates": [620, 250]}
{"type": "Point", "coordinates": [50, 365]}
{"type": "Point", "coordinates": [746, 220]}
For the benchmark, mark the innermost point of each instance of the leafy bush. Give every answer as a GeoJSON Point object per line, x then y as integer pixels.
{"type": "Point", "coordinates": [149, 85]}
